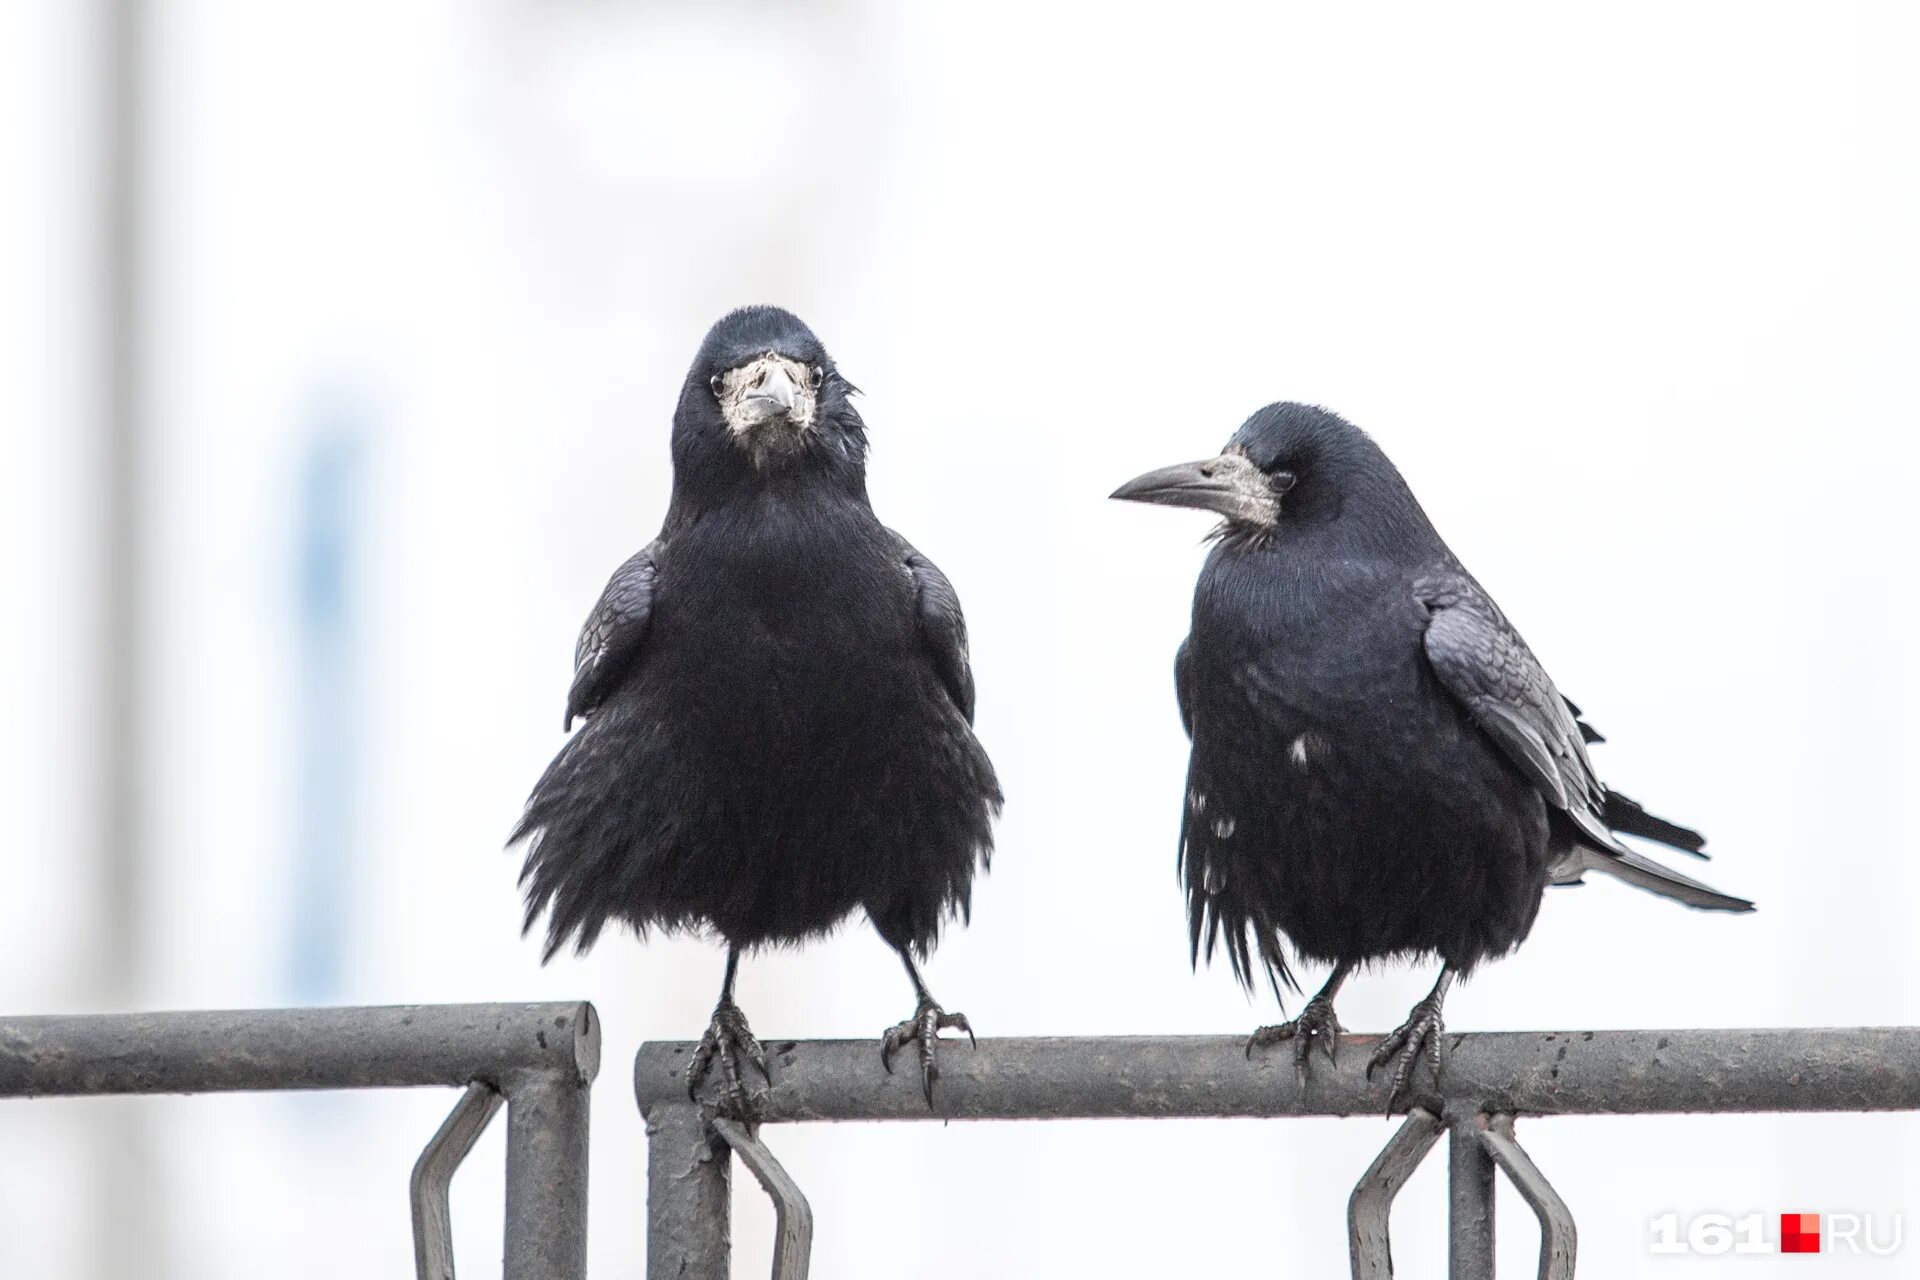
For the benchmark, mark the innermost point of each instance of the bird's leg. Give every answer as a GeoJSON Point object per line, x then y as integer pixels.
{"type": "Point", "coordinates": [922, 1029]}
{"type": "Point", "coordinates": [1316, 1021]}
{"type": "Point", "coordinates": [1417, 1037]}
{"type": "Point", "coordinates": [728, 1039]}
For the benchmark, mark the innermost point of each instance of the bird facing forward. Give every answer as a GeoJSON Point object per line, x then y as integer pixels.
{"type": "Point", "coordinates": [778, 704]}
{"type": "Point", "coordinates": [1381, 769]}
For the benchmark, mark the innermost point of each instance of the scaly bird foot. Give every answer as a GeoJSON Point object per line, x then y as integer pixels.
{"type": "Point", "coordinates": [923, 1029]}
{"type": "Point", "coordinates": [728, 1039]}
{"type": "Point", "coordinates": [1417, 1037]}
{"type": "Point", "coordinates": [1315, 1023]}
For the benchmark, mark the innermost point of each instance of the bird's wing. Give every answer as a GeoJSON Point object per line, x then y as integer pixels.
{"type": "Point", "coordinates": [1588, 734]}
{"type": "Point", "coordinates": [943, 628]}
{"type": "Point", "coordinates": [1485, 664]}
{"type": "Point", "coordinates": [1625, 816]}
{"type": "Point", "coordinates": [614, 633]}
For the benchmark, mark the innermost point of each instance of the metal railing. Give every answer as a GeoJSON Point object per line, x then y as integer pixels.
{"type": "Point", "coordinates": [537, 1059]}
{"type": "Point", "coordinates": [1489, 1080]}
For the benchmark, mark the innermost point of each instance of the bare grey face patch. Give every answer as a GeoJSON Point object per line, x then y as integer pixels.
{"type": "Point", "coordinates": [771, 405]}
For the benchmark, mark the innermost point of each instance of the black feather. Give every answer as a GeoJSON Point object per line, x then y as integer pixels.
{"type": "Point", "coordinates": [778, 702]}
{"type": "Point", "coordinates": [1380, 767]}
{"type": "Point", "coordinates": [1629, 819]}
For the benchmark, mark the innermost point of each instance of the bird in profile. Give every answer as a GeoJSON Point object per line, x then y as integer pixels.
{"type": "Point", "coordinates": [778, 706]}
{"type": "Point", "coordinates": [1381, 769]}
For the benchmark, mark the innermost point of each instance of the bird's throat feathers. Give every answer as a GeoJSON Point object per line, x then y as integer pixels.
{"type": "Point", "coordinates": [710, 469]}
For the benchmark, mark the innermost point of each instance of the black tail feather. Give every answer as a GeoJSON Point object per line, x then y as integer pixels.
{"type": "Point", "coordinates": [1629, 819]}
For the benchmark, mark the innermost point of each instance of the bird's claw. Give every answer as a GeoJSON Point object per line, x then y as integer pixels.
{"type": "Point", "coordinates": [1416, 1038]}
{"type": "Point", "coordinates": [728, 1039]}
{"type": "Point", "coordinates": [1316, 1023]}
{"type": "Point", "coordinates": [923, 1029]}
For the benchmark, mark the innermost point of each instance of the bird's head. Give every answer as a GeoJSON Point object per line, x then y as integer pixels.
{"type": "Point", "coordinates": [764, 390]}
{"type": "Point", "coordinates": [1289, 465]}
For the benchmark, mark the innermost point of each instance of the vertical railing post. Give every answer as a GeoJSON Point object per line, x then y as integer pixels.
{"type": "Point", "coordinates": [546, 1178]}
{"type": "Point", "coordinates": [689, 1197]}
{"type": "Point", "coordinates": [1470, 1202]}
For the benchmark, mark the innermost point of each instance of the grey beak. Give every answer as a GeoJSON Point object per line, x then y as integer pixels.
{"type": "Point", "coordinates": [774, 397]}
{"type": "Point", "coordinates": [1228, 484]}
{"type": "Point", "coordinates": [1189, 484]}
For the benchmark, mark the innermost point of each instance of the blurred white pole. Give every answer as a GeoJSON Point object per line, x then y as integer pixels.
{"type": "Point", "coordinates": [124, 1174]}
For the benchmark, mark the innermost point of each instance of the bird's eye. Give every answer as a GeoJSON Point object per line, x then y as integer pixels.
{"type": "Point", "coordinates": [716, 385]}
{"type": "Point", "coordinates": [819, 376]}
{"type": "Point", "coordinates": [1281, 481]}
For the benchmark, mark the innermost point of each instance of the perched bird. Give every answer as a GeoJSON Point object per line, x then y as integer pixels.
{"type": "Point", "coordinates": [778, 704]}
{"type": "Point", "coordinates": [1381, 769]}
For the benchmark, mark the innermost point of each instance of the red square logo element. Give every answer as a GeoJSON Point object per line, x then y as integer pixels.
{"type": "Point", "coordinates": [1799, 1233]}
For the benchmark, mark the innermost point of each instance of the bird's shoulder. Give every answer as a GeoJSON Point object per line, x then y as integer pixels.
{"type": "Point", "coordinates": [941, 623]}
{"type": "Point", "coordinates": [932, 589]}
{"type": "Point", "coordinates": [1472, 644]}
{"type": "Point", "coordinates": [612, 636]}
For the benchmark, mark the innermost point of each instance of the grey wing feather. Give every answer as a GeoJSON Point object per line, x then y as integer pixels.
{"type": "Point", "coordinates": [1522, 742]}
{"type": "Point", "coordinates": [1484, 663]}
{"type": "Point", "coordinates": [942, 626]}
{"type": "Point", "coordinates": [614, 632]}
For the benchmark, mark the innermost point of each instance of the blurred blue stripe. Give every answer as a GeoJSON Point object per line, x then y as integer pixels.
{"type": "Point", "coordinates": [329, 722]}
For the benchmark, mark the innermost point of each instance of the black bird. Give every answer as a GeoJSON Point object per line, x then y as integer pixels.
{"type": "Point", "coordinates": [778, 704]}
{"type": "Point", "coordinates": [1381, 769]}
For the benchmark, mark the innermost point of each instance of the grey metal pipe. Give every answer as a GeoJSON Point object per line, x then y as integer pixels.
{"type": "Point", "coordinates": [350, 1048]}
{"type": "Point", "coordinates": [546, 1220]}
{"type": "Point", "coordinates": [689, 1195]}
{"type": "Point", "coordinates": [1518, 1073]}
{"type": "Point", "coordinates": [1469, 1202]}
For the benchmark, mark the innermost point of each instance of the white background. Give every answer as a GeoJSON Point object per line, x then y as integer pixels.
{"type": "Point", "coordinates": [1628, 291]}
